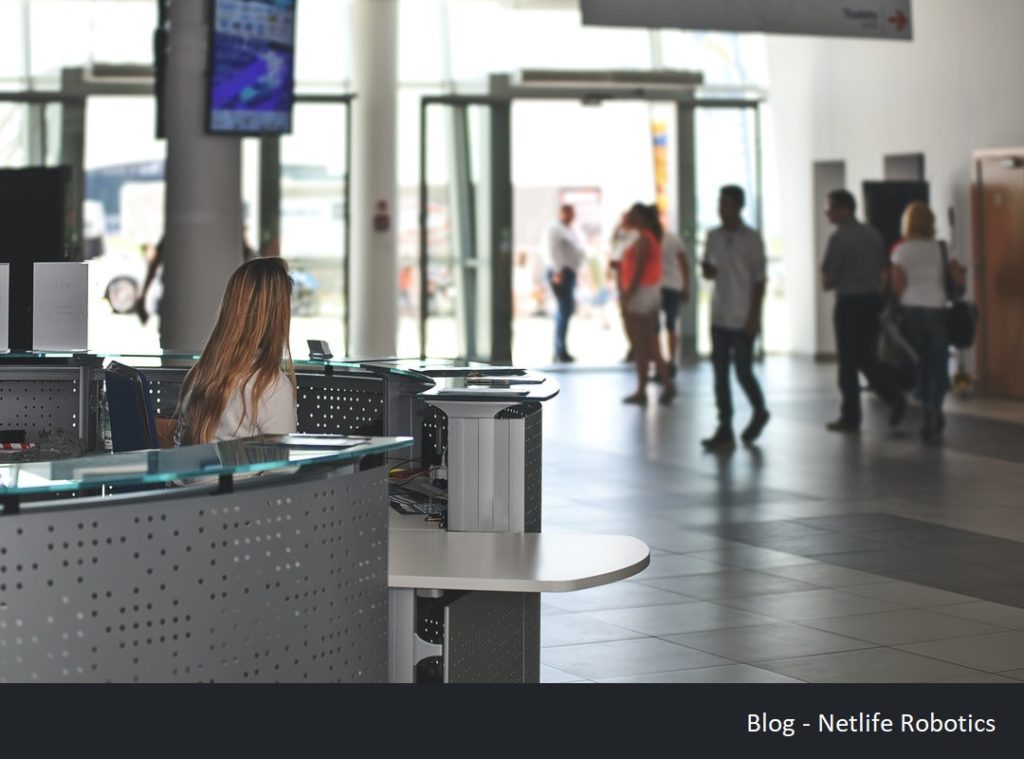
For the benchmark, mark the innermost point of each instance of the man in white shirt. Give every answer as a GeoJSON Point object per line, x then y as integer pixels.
{"type": "Point", "coordinates": [565, 255]}
{"type": "Point", "coordinates": [734, 258]}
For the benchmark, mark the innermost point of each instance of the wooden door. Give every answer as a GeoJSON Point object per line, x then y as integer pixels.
{"type": "Point", "coordinates": [999, 270]}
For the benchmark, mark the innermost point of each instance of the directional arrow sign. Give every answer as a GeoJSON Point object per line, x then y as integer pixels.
{"type": "Point", "coordinates": [885, 19]}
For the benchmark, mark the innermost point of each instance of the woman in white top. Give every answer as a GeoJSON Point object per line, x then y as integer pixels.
{"type": "Point", "coordinates": [244, 381]}
{"type": "Point", "coordinates": [919, 279]}
{"type": "Point", "coordinates": [675, 279]}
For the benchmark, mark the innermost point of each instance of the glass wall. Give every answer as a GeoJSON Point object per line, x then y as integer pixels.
{"type": "Point", "coordinates": [123, 220]}
{"type": "Point", "coordinates": [313, 180]}
{"type": "Point", "coordinates": [444, 45]}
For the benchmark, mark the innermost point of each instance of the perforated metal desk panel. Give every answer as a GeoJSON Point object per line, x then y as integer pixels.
{"type": "Point", "coordinates": [283, 579]}
{"type": "Point", "coordinates": [41, 393]}
{"type": "Point", "coordinates": [47, 392]}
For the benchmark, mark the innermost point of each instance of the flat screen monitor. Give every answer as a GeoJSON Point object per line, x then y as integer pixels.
{"type": "Point", "coordinates": [251, 71]}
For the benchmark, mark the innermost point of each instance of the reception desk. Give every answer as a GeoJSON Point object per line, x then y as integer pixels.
{"type": "Point", "coordinates": [281, 569]}
{"type": "Point", "coordinates": [271, 565]}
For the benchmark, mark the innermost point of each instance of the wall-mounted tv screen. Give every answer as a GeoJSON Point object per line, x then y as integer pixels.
{"type": "Point", "coordinates": [251, 67]}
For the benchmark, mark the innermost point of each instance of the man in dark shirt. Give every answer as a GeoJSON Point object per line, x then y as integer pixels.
{"type": "Point", "coordinates": [854, 266]}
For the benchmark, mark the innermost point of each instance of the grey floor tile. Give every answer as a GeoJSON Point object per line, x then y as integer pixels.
{"type": "Point", "coordinates": [1014, 674]}
{"type": "Point", "coordinates": [1009, 596]}
{"type": "Point", "coordinates": [810, 604]}
{"type": "Point", "coordinates": [909, 594]}
{"type": "Point", "coordinates": [892, 628]}
{"type": "Point", "coordinates": [957, 577]}
{"type": "Point", "coordinates": [547, 610]}
{"type": "Point", "coordinates": [729, 673]}
{"type": "Point", "coordinates": [873, 665]}
{"type": "Point", "coordinates": [826, 575]}
{"type": "Point", "coordinates": [618, 595]}
{"type": "Point", "coordinates": [752, 557]}
{"type": "Point", "coordinates": [773, 641]}
{"type": "Point", "coordinates": [674, 565]}
{"type": "Point", "coordinates": [679, 618]}
{"type": "Point", "coordinates": [859, 522]}
{"type": "Point", "coordinates": [552, 675]}
{"type": "Point", "coordinates": [622, 658]}
{"type": "Point", "coordinates": [997, 652]}
{"type": "Point", "coordinates": [574, 628]}
{"type": "Point", "coordinates": [989, 613]}
{"type": "Point", "coordinates": [940, 523]}
{"type": "Point", "coordinates": [986, 551]}
{"type": "Point", "coordinates": [980, 677]}
{"type": "Point", "coordinates": [735, 583]}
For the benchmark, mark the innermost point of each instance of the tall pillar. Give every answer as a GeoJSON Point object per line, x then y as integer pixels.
{"type": "Point", "coordinates": [686, 222]}
{"type": "Point", "coordinates": [203, 218]}
{"type": "Point", "coordinates": [374, 266]}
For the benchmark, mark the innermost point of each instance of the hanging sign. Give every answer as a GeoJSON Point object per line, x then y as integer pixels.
{"type": "Point", "coordinates": [886, 19]}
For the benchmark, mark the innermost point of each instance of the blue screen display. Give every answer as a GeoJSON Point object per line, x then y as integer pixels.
{"type": "Point", "coordinates": [252, 61]}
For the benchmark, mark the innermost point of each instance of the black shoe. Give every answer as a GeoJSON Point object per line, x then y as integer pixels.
{"type": "Point", "coordinates": [722, 440]}
{"type": "Point", "coordinates": [757, 423]}
{"type": "Point", "coordinates": [934, 422]}
{"type": "Point", "coordinates": [667, 395]}
{"type": "Point", "coordinates": [841, 425]}
{"type": "Point", "coordinates": [637, 399]}
{"type": "Point", "coordinates": [565, 358]}
{"type": "Point", "coordinates": [897, 410]}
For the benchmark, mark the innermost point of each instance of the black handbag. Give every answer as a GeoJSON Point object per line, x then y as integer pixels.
{"type": "Point", "coordinates": [961, 315]}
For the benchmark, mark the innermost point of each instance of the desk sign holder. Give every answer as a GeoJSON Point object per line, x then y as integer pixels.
{"type": "Point", "coordinates": [60, 307]}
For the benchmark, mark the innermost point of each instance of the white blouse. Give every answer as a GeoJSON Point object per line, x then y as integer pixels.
{"type": "Point", "coordinates": [276, 415]}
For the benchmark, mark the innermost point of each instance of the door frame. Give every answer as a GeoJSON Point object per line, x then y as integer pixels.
{"type": "Point", "coordinates": [980, 258]}
{"type": "Point", "coordinates": [503, 93]}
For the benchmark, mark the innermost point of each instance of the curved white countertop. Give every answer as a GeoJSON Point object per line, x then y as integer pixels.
{"type": "Point", "coordinates": [423, 556]}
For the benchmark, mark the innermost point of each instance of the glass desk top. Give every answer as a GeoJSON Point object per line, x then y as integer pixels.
{"type": "Point", "coordinates": [237, 457]}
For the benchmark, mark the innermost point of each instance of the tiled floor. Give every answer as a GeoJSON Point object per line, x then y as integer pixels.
{"type": "Point", "coordinates": [810, 557]}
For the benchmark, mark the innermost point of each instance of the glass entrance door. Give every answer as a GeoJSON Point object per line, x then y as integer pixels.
{"type": "Point", "coordinates": [460, 286]}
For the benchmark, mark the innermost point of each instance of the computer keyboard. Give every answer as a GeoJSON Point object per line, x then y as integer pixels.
{"type": "Point", "coordinates": [418, 496]}
{"type": "Point", "coordinates": [422, 486]}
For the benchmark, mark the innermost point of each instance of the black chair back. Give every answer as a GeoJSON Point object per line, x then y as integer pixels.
{"type": "Point", "coordinates": [132, 420]}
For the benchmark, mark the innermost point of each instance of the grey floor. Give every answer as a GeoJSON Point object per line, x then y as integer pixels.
{"type": "Point", "coordinates": [811, 557]}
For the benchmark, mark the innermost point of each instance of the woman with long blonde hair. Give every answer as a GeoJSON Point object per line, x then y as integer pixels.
{"type": "Point", "coordinates": [923, 276]}
{"type": "Point", "coordinates": [244, 382]}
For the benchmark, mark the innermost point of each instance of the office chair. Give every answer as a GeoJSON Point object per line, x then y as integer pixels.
{"type": "Point", "coordinates": [132, 421]}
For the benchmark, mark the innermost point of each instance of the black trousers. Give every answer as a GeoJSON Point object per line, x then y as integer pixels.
{"type": "Point", "coordinates": [857, 330]}
{"type": "Point", "coordinates": [728, 345]}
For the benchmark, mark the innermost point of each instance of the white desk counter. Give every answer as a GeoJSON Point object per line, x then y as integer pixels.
{"type": "Point", "coordinates": [422, 556]}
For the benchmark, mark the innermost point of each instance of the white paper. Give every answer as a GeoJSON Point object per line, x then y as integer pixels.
{"type": "Point", "coordinates": [60, 307]}
{"type": "Point", "coordinates": [5, 307]}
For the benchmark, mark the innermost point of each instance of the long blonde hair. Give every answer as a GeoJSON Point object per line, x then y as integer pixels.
{"type": "Point", "coordinates": [249, 341]}
{"type": "Point", "coordinates": [918, 222]}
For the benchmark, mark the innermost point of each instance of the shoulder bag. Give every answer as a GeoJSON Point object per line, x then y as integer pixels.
{"type": "Point", "coordinates": [961, 315]}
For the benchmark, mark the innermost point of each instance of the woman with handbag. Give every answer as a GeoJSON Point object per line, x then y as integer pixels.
{"type": "Point", "coordinates": [923, 280]}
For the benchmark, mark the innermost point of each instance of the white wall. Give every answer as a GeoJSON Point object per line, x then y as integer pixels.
{"type": "Point", "coordinates": [954, 89]}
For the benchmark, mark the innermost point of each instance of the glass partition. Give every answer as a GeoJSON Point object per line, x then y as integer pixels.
{"type": "Point", "coordinates": [237, 457]}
